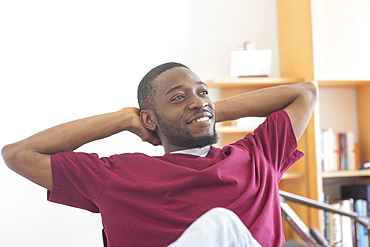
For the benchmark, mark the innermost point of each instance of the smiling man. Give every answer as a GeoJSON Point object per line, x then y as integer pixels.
{"type": "Point", "coordinates": [152, 201]}
{"type": "Point", "coordinates": [179, 109]}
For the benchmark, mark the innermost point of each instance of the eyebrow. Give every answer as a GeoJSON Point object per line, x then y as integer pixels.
{"type": "Point", "coordinates": [180, 86]}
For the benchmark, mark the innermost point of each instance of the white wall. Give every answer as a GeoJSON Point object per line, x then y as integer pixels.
{"type": "Point", "coordinates": [338, 109]}
{"type": "Point", "coordinates": [63, 60]}
{"type": "Point", "coordinates": [341, 33]}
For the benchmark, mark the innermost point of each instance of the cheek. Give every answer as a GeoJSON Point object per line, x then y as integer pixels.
{"type": "Point", "coordinates": [174, 120]}
{"type": "Point", "coordinates": [172, 115]}
{"type": "Point", "coordinates": [171, 118]}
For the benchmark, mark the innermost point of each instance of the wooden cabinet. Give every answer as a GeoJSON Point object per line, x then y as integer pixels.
{"type": "Point", "coordinates": [326, 42]}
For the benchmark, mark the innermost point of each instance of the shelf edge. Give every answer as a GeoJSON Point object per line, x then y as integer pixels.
{"type": "Point", "coordinates": [343, 174]}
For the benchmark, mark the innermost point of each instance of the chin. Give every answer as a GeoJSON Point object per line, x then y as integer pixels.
{"type": "Point", "coordinates": [200, 141]}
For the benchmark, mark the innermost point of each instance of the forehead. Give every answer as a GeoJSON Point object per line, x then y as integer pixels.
{"type": "Point", "coordinates": [175, 77]}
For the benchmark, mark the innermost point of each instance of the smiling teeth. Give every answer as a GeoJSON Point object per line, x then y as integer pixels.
{"type": "Point", "coordinates": [203, 119]}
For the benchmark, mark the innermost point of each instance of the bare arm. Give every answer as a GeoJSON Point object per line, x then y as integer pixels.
{"type": "Point", "coordinates": [297, 100]}
{"type": "Point", "coordinates": [31, 157]}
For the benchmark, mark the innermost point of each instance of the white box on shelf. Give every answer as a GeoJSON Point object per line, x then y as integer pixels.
{"type": "Point", "coordinates": [251, 63]}
{"type": "Point", "coordinates": [250, 122]}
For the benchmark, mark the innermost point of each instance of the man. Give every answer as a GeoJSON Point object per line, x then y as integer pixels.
{"type": "Point", "coordinates": [152, 200]}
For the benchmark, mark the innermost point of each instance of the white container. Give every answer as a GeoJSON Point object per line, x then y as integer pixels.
{"type": "Point", "coordinates": [251, 63]}
{"type": "Point", "coordinates": [250, 122]}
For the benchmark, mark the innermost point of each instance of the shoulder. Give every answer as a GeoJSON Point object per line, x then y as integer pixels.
{"type": "Point", "coordinates": [278, 121]}
{"type": "Point", "coordinates": [275, 132]}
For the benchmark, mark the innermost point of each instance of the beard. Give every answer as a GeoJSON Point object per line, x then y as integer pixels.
{"type": "Point", "coordinates": [183, 138]}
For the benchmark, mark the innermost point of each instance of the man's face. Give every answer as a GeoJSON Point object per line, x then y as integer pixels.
{"type": "Point", "coordinates": [183, 110]}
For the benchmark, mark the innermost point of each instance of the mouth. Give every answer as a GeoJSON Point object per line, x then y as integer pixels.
{"type": "Point", "coordinates": [203, 118]}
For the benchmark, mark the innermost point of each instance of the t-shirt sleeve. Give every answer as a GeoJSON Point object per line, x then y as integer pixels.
{"type": "Point", "coordinates": [276, 140]}
{"type": "Point", "coordinates": [79, 179]}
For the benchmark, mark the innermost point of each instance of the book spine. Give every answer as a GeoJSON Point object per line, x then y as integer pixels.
{"type": "Point", "coordinates": [338, 150]}
{"type": "Point", "coordinates": [361, 233]}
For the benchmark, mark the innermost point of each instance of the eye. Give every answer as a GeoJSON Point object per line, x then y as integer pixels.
{"type": "Point", "coordinates": [203, 92]}
{"type": "Point", "coordinates": [178, 97]}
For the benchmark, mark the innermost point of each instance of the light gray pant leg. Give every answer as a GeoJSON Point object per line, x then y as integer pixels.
{"type": "Point", "coordinates": [218, 227]}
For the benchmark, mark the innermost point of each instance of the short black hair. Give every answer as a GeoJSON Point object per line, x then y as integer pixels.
{"type": "Point", "coordinates": [145, 90]}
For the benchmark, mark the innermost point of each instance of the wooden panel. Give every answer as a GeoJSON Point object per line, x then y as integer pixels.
{"type": "Point", "coordinates": [296, 60]}
{"type": "Point", "coordinates": [295, 37]}
{"type": "Point", "coordinates": [314, 181]}
{"type": "Point", "coordinates": [363, 105]}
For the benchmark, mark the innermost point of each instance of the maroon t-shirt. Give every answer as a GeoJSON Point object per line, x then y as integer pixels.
{"type": "Point", "coordinates": [152, 200]}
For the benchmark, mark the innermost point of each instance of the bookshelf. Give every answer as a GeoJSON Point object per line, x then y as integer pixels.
{"type": "Point", "coordinates": [318, 44]}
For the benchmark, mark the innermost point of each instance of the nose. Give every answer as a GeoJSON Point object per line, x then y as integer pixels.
{"type": "Point", "coordinates": [198, 102]}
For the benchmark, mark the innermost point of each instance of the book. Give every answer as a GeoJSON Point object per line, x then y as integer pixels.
{"type": "Point", "coordinates": [330, 151]}
{"type": "Point", "coordinates": [338, 150]}
{"type": "Point", "coordinates": [348, 225]}
{"type": "Point", "coordinates": [335, 227]}
{"type": "Point", "coordinates": [326, 222]}
{"type": "Point", "coordinates": [361, 196]}
{"type": "Point", "coordinates": [357, 192]}
{"type": "Point", "coordinates": [343, 158]}
{"type": "Point", "coordinates": [340, 229]}
{"type": "Point", "coordinates": [351, 150]}
{"type": "Point", "coordinates": [362, 239]}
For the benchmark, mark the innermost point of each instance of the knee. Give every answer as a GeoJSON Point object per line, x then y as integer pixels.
{"type": "Point", "coordinates": [219, 212]}
{"type": "Point", "coordinates": [222, 217]}
{"type": "Point", "coordinates": [225, 222]}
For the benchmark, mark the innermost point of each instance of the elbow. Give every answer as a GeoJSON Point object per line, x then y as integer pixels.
{"type": "Point", "coordinates": [27, 163]}
{"type": "Point", "coordinates": [312, 87]}
{"type": "Point", "coordinates": [9, 156]}
{"type": "Point", "coordinates": [311, 90]}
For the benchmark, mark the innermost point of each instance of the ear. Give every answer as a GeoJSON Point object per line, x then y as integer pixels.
{"type": "Point", "coordinates": [148, 119]}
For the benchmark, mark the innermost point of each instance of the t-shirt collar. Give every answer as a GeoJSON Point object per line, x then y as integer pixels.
{"type": "Point", "coordinates": [201, 152]}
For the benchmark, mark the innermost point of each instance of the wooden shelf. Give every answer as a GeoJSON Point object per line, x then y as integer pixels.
{"type": "Point", "coordinates": [342, 83]}
{"type": "Point", "coordinates": [292, 175]}
{"type": "Point", "coordinates": [344, 174]}
{"type": "Point", "coordinates": [232, 129]}
{"type": "Point", "coordinates": [252, 82]}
